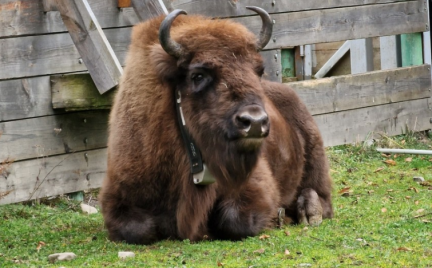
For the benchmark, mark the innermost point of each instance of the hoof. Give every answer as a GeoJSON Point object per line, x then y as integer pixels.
{"type": "Point", "coordinates": [309, 208]}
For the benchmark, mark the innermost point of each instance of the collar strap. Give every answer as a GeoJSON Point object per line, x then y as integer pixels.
{"type": "Point", "coordinates": [198, 169]}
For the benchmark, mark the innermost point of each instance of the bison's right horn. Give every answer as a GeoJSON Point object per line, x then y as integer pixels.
{"type": "Point", "coordinates": [267, 27]}
{"type": "Point", "coordinates": [170, 46]}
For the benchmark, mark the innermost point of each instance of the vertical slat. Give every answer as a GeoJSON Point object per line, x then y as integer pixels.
{"type": "Point", "coordinates": [147, 9]}
{"type": "Point", "coordinates": [299, 63]}
{"type": "Point", "coordinates": [361, 55]}
{"type": "Point", "coordinates": [91, 42]}
{"type": "Point", "coordinates": [390, 52]}
{"type": "Point", "coordinates": [411, 47]}
{"type": "Point", "coordinates": [124, 3]}
{"type": "Point", "coordinates": [308, 62]}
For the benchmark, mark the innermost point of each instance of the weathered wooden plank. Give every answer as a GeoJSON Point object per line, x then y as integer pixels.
{"type": "Point", "coordinates": [232, 8]}
{"type": "Point", "coordinates": [51, 135]}
{"type": "Point", "coordinates": [78, 92]}
{"type": "Point", "coordinates": [27, 17]}
{"type": "Point", "coordinates": [91, 42]}
{"type": "Point", "coordinates": [357, 125]}
{"type": "Point", "coordinates": [147, 9]}
{"type": "Point", "coordinates": [390, 52]}
{"type": "Point", "coordinates": [50, 176]}
{"type": "Point", "coordinates": [51, 54]}
{"type": "Point", "coordinates": [23, 98]}
{"type": "Point", "coordinates": [355, 91]}
{"type": "Point", "coordinates": [272, 64]}
{"type": "Point", "coordinates": [361, 52]}
{"type": "Point", "coordinates": [329, 25]}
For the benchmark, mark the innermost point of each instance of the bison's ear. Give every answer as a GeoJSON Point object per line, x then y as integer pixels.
{"type": "Point", "coordinates": [164, 64]}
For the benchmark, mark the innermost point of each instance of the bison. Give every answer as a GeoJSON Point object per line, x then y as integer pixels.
{"type": "Point", "coordinates": [193, 96]}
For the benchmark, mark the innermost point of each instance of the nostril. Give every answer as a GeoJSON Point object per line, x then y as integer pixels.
{"type": "Point", "coordinates": [244, 122]}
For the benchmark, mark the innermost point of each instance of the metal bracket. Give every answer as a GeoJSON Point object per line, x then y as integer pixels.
{"type": "Point", "coordinates": [204, 177]}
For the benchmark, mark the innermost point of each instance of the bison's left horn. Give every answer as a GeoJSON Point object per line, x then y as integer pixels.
{"type": "Point", "coordinates": [170, 46]}
{"type": "Point", "coordinates": [267, 27]}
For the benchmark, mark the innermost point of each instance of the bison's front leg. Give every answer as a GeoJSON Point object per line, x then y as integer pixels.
{"type": "Point", "coordinates": [246, 212]}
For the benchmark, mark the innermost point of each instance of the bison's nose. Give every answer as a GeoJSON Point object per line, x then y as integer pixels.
{"type": "Point", "coordinates": [253, 122]}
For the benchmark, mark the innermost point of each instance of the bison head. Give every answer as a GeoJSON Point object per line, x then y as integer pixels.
{"type": "Point", "coordinates": [216, 67]}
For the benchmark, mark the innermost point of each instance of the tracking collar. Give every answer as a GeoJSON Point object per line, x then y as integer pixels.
{"type": "Point", "coordinates": [201, 175]}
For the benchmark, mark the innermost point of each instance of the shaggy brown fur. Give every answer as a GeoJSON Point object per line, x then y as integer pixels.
{"type": "Point", "coordinates": [149, 194]}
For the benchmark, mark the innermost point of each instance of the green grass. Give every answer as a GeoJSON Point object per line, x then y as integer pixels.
{"type": "Point", "coordinates": [384, 219]}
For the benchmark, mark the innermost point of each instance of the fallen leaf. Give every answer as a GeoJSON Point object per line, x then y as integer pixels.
{"type": "Point", "coordinates": [416, 202]}
{"type": "Point", "coordinates": [260, 251]}
{"type": "Point", "coordinates": [420, 211]}
{"type": "Point", "coordinates": [287, 252]}
{"type": "Point", "coordinates": [390, 190]}
{"type": "Point", "coordinates": [264, 236]}
{"type": "Point", "coordinates": [390, 162]}
{"type": "Point", "coordinates": [383, 210]}
{"type": "Point", "coordinates": [385, 155]}
{"type": "Point", "coordinates": [426, 221]}
{"type": "Point", "coordinates": [287, 233]}
{"type": "Point", "coordinates": [219, 264]}
{"type": "Point", "coordinates": [403, 142]}
{"type": "Point", "coordinates": [395, 156]}
{"type": "Point", "coordinates": [344, 190]}
{"type": "Point", "coordinates": [403, 249]}
{"type": "Point", "coordinates": [378, 169]}
{"type": "Point", "coordinates": [409, 159]}
{"type": "Point", "coordinates": [425, 183]}
{"type": "Point", "coordinates": [407, 197]}
{"type": "Point", "coordinates": [40, 245]}
{"type": "Point", "coordinates": [370, 191]}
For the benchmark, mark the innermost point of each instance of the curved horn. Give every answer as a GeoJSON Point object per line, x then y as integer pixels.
{"type": "Point", "coordinates": [267, 27]}
{"type": "Point", "coordinates": [170, 46]}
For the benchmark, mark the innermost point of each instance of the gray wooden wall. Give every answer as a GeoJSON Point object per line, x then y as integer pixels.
{"type": "Point", "coordinates": [48, 151]}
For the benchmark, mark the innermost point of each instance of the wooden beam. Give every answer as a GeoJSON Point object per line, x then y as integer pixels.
{"type": "Point", "coordinates": [32, 17]}
{"type": "Point", "coordinates": [91, 42]}
{"type": "Point", "coordinates": [78, 92]}
{"type": "Point", "coordinates": [363, 90]}
{"type": "Point", "coordinates": [52, 135]}
{"type": "Point", "coordinates": [50, 176]}
{"type": "Point", "coordinates": [24, 98]}
{"type": "Point", "coordinates": [51, 54]}
{"type": "Point", "coordinates": [147, 9]}
{"type": "Point", "coordinates": [333, 60]}
{"type": "Point", "coordinates": [340, 24]}
{"type": "Point", "coordinates": [391, 119]}
{"type": "Point", "coordinates": [238, 8]}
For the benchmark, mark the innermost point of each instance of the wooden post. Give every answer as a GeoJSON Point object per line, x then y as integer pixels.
{"type": "Point", "coordinates": [390, 52]}
{"type": "Point", "coordinates": [411, 47]}
{"type": "Point", "coordinates": [91, 42]}
{"type": "Point", "coordinates": [147, 9]}
{"type": "Point", "coordinates": [361, 55]}
{"type": "Point", "coordinates": [308, 62]}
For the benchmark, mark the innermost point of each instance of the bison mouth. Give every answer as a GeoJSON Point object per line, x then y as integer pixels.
{"type": "Point", "coordinates": [248, 145]}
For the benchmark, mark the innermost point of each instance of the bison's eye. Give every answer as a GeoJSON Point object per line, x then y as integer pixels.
{"type": "Point", "coordinates": [200, 79]}
{"type": "Point", "coordinates": [197, 77]}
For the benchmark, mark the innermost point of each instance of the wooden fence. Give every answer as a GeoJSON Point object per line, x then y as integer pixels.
{"type": "Point", "coordinates": [53, 121]}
